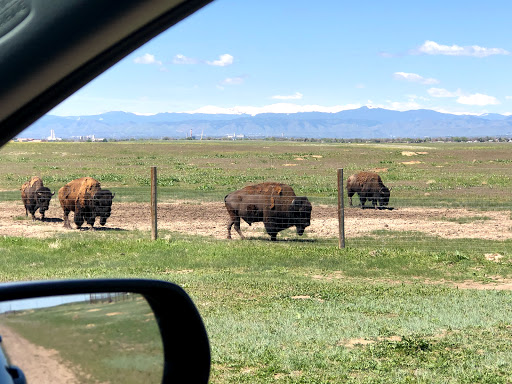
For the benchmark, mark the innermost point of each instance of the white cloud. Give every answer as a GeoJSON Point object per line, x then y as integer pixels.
{"type": "Point", "coordinates": [147, 59]}
{"type": "Point", "coordinates": [182, 59]}
{"type": "Point", "coordinates": [478, 99]}
{"type": "Point", "coordinates": [467, 99]}
{"type": "Point", "coordinates": [508, 97]}
{"type": "Point", "coordinates": [274, 108]}
{"type": "Point", "coordinates": [441, 92]}
{"type": "Point", "coordinates": [416, 97]}
{"type": "Point", "coordinates": [295, 96]}
{"type": "Point", "coordinates": [433, 48]}
{"type": "Point", "coordinates": [414, 78]}
{"type": "Point", "coordinates": [233, 80]}
{"type": "Point", "coordinates": [223, 60]}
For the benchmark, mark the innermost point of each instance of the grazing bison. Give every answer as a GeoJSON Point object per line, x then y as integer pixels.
{"type": "Point", "coordinates": [368, 186]}
{"type": "Point", "coordinates": [275, 204]}
{"type": "Point", "coordinates": [35, 196]}
{"type": "Point", "coordinates": [87, 200]}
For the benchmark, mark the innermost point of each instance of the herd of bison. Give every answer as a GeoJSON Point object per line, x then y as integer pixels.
{"type": "Point", "coordinates": [274, 204]}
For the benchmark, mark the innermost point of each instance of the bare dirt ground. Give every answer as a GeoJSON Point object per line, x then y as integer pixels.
{"type": "Point", "coordinates": [40, 365]}
{"type": "Point", "coordinates": [210, 219]}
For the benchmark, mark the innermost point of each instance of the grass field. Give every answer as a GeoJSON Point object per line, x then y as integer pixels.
{"type": "Point", "coordinates": [296, 312]}
{"type": "Point", "coordinates": [379, 311]}
{"type": "Point", "coordinates": [437, 174]}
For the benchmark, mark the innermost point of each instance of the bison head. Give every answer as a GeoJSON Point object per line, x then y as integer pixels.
{"type": "Point", "coordinates": [43, 197]}
{"type": "Point", "coordinates": [300, 212]}
{"type": "Point", "coordinates": [102, 202]}
{"type": "Point", "coordinates": [384, 194]}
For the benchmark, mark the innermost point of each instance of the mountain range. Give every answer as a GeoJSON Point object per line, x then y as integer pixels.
{"type": "Point", "coordinates": [364, 123]}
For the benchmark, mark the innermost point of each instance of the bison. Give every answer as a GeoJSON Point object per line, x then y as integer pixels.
{"type": "Point", "coordinates": [368, 186]}
{"type": "Point", "coordinates": [35, 196]}
{"type": "Point", "coordinates": [87, 200]}
{"type": "Point", "coordinates": [275, 204]}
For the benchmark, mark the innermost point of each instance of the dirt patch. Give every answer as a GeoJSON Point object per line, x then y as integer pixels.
{"type": "Point", "coordinates": [210, 219]}
{"type": "Point", "coordinates": [352, 343]}
{"type": "Point", "coordinates": [496, 283]}
{"type": "Point", "coordinates": [40, 365]}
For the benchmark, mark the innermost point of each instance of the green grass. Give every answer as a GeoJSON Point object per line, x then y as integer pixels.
{"type": "Point", "coordinates": [287, 311]}
{"type": "Point", "coordinates": [110, 341]}
{"type": "Point", "coordinates": [474, 175]}
{"type": "Point", "coordinates": [292, 311]}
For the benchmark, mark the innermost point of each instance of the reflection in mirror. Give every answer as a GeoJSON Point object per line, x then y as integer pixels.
{"type": "Point", "coordinates": [88, 338]}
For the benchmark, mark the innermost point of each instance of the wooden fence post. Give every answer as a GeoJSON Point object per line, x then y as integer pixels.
{"type": "Point", "coordinates": [341, 210]}
{"type": "Point", "coordinates": [154, 220]}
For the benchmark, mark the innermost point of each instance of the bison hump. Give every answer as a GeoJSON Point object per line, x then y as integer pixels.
{"type": "Point", "coordinates": [36, 182]}
{"type": "Point", "coordinates": [269, 188]}
{"type": "Point", "coordinates": [33, 184]}
{"type": "Point", "coordinates": [81, 190]}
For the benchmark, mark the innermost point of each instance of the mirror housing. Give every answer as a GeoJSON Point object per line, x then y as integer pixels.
{"type": "Point", "coordinates": [184, 338]}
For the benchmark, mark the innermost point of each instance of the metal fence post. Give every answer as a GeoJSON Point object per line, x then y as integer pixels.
{"type": "Point", "coordinates": [341, 210]}
{"type": "Point", "coordinates": [154, 231]}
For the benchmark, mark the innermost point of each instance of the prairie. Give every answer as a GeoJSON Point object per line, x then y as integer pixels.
{"type": "Point", "coordinates": [437, 174]}
{"type": "Point", "coordinates": [401, 303]}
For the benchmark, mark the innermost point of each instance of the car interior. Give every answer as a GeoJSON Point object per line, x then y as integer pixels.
{"type": "Point", "coordinates": [48, 50]}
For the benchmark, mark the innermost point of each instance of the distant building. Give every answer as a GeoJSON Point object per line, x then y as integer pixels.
{"type": "Point", "coordinates": [52, 136]}
{"type": "Point", "coordinates": [90, 138]}
{"type": "Point", "coordinates": [234, 136]}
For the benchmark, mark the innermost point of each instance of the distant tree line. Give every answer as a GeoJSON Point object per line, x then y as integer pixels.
{"type": "Point", "coordinates": [456, 139]}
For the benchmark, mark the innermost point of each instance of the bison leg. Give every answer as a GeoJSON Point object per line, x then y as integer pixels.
{"type": "Point", "coordinates": [79, 220]}
{"type": "Point", "coordinates": [270, 228]}
{"type": "Point", "coordinates": [66, 219]}
{"type": "Point", "coordinates": [230, 224]}
{"type": "Point", "coordinates": [236, 222]}
{"type": "Point", "coordinates": [350, 194]}
{"type": "Point", "coordinates": [32, 212]}
{"type": "Point", "coordinates": [90, 218]}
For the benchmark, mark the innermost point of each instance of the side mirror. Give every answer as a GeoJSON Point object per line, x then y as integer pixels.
{"type": "Point", "coordinates": [135, 329]}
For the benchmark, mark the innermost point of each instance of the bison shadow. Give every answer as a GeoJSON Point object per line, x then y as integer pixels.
{"type": "Point", "coordinates": [381, 208]}
{"type": "Point", "coordinates": [291, 240]}
{"type": "Point", "coordinates": [95, 229]}
{"type": "Point", "coordinates": [51, 220]}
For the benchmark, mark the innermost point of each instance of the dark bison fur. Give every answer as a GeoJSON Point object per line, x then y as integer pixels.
{"type": "Point", "coordinates": [35, 196]}
{"type": "Point", "coordinates": [87, 200]}
{"type": "Point", "coordinates": [368, 186]}
{"type": "Point", "coordinates": [274, 204]}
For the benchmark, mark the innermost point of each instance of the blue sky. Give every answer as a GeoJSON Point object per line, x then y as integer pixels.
{"type": "Point", "coordinates": [253, 56]}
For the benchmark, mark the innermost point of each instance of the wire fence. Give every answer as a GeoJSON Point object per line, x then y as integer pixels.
{"type": "Point", "coordinates": [382, 214]}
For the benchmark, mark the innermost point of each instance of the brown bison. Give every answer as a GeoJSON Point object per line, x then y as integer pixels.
{"type": "Point", "coordinates": [87, 200]}
{"type": "Point", "coordinates": [368, 186]}
{"type": "Point", "coordinates": [35, 196]}
{"type": "Point", "coordinates": [275, 204]}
